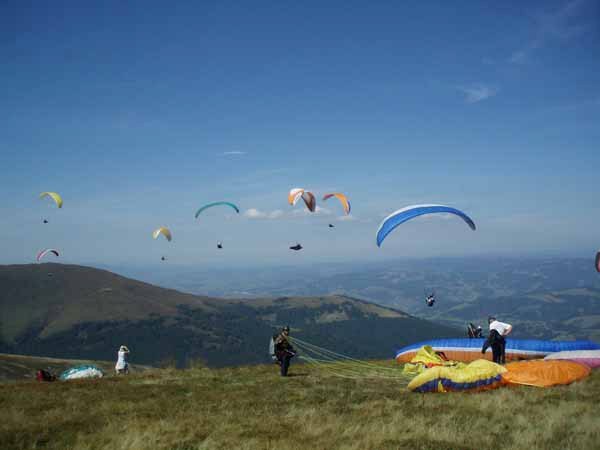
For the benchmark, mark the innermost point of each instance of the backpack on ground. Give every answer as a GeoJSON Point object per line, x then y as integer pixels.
{"type": "Point", "coordinates": [44, 375]}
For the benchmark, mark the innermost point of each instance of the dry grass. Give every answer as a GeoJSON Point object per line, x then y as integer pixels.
{"type": "Point", "coordinates": [253, 408]}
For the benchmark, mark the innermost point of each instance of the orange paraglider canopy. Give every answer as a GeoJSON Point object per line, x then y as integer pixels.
{"type": "Point", "coordinates": [544, 373]}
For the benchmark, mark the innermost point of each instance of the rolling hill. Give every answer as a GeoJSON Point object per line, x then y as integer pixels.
{"type": "Point", "coordinates": [80, 312]}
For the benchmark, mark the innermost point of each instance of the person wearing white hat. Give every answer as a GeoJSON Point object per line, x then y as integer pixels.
{"type": "Point", "coordinates": [122, 365]}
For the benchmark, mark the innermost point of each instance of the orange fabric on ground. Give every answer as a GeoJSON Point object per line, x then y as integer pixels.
{"type": "Point", "coordinates": [544, 373]}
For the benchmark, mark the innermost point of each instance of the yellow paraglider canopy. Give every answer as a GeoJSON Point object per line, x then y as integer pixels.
{"type": "Point", "coordinates": [54, 196]}
{"type": "Point", "coordinates": [164, 231]}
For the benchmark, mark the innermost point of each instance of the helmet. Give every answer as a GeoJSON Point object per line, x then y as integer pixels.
{"type": "Point", "coordinates": [491, 319]}
{"type": "Point", "coordinates": [286, 328]}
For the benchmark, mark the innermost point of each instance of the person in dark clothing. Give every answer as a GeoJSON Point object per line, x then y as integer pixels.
{"type": "Point", "coordinates": [284, 350]}
{"type": "Point", "coordinates": [503, 330]}
{"type": "Point", "coordinates": [498, 344]}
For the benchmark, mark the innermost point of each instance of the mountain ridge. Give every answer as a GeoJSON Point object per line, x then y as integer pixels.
{"type": "Point", "coordinates": [86, 313]}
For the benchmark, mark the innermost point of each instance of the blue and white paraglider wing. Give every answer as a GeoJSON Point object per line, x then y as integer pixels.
{"type": "Point", "coordinates": [410, 212]}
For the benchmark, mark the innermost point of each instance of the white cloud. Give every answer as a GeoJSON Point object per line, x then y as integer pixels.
{"type": "Point", "coordinates": [233, 153]}
{"type": "Point", "coordinates": [318, 212]}
{"type": "Point", "coordinates": [348, 218]}
{"type": "Point", "coordinates": [254, 213]}
{"type": "Point", "coordinates": [276, 214]}
{"type": "Point", "coordinates": [477, 93]}
{"type": "Point", "coordinates": [556, 25]}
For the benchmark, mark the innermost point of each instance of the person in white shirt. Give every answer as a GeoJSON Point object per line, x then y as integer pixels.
{"type": "Point", "coordinates": [496, 339]}
{"type": "Point", "coordinates": [122, 365]}
{"type": "Point", "coordinates": [502, 328]}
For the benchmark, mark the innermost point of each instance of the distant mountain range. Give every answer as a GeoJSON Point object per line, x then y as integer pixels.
{"type": "Point", "coordinates": [69, 311]}
{"type": "Point", "coordinates": [548, 298]}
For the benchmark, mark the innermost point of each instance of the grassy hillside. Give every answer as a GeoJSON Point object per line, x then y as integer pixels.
{"type": "Point", "coordinates": [253, 408]}
{"type": "Point", "coordinates": [85, 313]}
{"type": "Point", "coordinates": [55, 297]}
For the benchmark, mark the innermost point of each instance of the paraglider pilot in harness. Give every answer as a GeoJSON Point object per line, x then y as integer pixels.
{"type": "Point", "coordinates": [284, 351]}
{"type": "Point", "coordinates": [496, 339]}
{"type": "Point", "coordinates": [474, 332]}
{"type": "Point", "coordinates": [430, 300]}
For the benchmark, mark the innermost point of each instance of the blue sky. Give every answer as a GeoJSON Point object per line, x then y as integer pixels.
{"type": "Point", "coordinates": [140, 112]}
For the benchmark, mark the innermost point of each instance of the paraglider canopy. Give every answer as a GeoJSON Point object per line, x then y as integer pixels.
{"type": "Point", "coordinates": [219, 245]}
{"type": "Point", "coordinates": [44, 252]}
{"type": "Point", "coordinates": [54, 196]}
{"type": "Point", "coordinates": [296, 247]}
{"type": "Point", "coordinates": [309, 198]}
{"type": "Point", "coordinates": [331, 225]}
{"type": "Point", "coordinates": [164, 231]}
{"type": "Point", "coordinates": [410, 212]}
{"type": "Point", "coordinates": [210, 205]}
{"type": "Point", "coordinates": [342, 198]}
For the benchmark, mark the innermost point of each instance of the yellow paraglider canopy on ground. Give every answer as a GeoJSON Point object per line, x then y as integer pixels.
{"type": "Point", "coordinates": [545, 372]}
{"type": "Point", "coordinates": [425, 358]}
{"type": "Point", "coordinates": [54, 196]}
{"type": "Point", "coordinates": [476, 376]}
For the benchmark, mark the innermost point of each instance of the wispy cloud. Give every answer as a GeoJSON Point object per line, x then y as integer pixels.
{"type": "Point", "coordinates": [562, 24]}
{"type": "Point", "coordinates": [233, 153]}
{"type": "Point", "coordinates": [318, 212]}
{"type": "Point", "coordinates": [477, 92]}
{"type": "Point", "coordinates": [254, 213]}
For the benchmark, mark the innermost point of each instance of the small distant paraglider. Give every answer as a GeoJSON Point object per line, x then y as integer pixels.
{"type": "Point", "coordinates": [342, 198]}
{"type": "Point", "coordinates": [44, 252]}
{"type": "Point", "coordinates": [296, 247]}
{"type": "Point", "coordinates": [166, 233]}
{"type": "Point", "coordinates": [219, 245]}
{"type": "Point", "coordinates": [410, 212]}
{"type": "Point", "coordinates": [309, 198]}
{"type": "Point", "coordinates": [331, 225]}
{"type": "Point", "coordinates": [55, 197]}
{"type": "Point", "coordinates": [430, 300]}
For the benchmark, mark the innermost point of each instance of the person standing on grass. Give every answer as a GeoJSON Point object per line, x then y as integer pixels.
{"type": "Point", "coordinates": [497, 339]}
{"type": "Point", "coordinates": [284, 350]}
{"type": "Point", "coordinates": [122, 365]}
